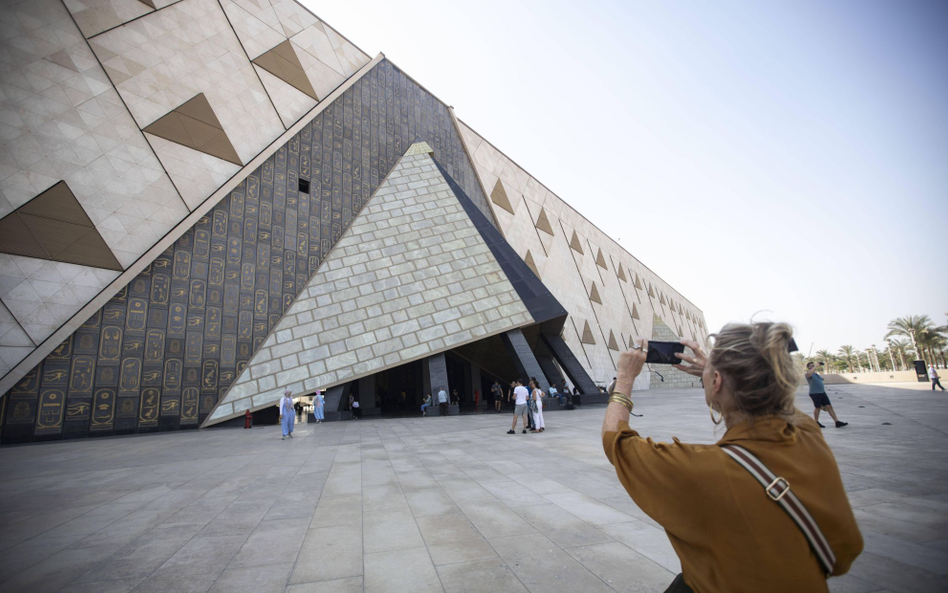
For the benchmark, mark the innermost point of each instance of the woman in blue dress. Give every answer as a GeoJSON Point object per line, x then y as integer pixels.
{"type": "Point", "coordinates": [318, 401]}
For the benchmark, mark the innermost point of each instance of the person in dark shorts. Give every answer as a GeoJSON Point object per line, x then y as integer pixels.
{"type": "Point", "coordinates": [819, 397]}
{"type": "Point", "coordinates": [497, 393]}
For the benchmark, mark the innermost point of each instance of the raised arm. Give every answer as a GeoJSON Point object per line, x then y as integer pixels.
{"type": "Point", "coordinates": [630, 365]}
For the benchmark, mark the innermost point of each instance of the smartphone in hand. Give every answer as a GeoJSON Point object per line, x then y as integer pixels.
{"type": "Point", "coordinates": [663, 352]}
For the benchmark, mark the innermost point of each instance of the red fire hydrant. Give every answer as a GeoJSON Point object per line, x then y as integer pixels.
{"type": "Point", "coordinates": [248, 419]}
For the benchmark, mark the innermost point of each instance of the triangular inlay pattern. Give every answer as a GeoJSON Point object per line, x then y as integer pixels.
{"type": "Point", "coordinates": [54, 226]}
{"type": "Point", "coordinates": [499, 197]}
{"type": "Point", "coordinates": [531, 264]}
{"type": "Point", "coordinates": [600, 260]}
{"type": "Point", "coordinates": [543, 223]}
{"type": "Point", "coordinates": [588, 335]}
{"type": "Point", "coordinates": [635, 312]}
{"type": "Point", "coordinates": [576, 244]}
{"type": "Point", "coordinates": [194, 124]}
{"type": "Point", "coordinates": [282, 62]}
{"type": "Point", "coordinates": [622, 275]}
{"type": "Point", "coordinates": [594, 294]}
{"type": "Point", "coordinates": [613, 345]}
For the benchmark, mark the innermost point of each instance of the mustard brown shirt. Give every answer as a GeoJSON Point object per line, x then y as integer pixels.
{"type": "Point", "coordinates": [730, 537]}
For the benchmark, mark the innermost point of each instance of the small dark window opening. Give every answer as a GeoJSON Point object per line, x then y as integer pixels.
{"type": "Point", "coordinates": [304, 186]}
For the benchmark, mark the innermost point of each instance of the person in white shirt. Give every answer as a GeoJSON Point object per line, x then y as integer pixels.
{"type": "Point", "coordinates": [933, 375]}
{"type": "Point", "coordinates": [287, 413]}
{"type": "Point", "coordinates": [443, 402]}
{"type": "Point", "coordinates": [537, 395]}
{"type": "Point", "coordinates": [520, 407]}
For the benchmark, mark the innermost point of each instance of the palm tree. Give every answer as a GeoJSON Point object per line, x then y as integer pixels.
{"type": "Point", "coordinates": [847, 352]}
{"type": "Point", "coordinates": [913, 327]}
{"type": "Point", "coordinates": [901, 348]}
{"type": "Point", "coordinates": [825, 356]}
{"type": "Point", "coordinates": [933, 341]}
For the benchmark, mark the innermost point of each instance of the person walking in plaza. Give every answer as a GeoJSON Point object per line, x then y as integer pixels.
{"type": "Point", "coordinates": [498, 393]}
{"type": "Point", "coordinates": [443, 402]}
{"type": "Point", "coordinates": [763, 509]}
{"type": "Point", "coordinates": [424, 405]}
{"type": "Point", "coordinates": [318, 402]}
{"type": "Point", "coordinates": [933, 375]}
{"type": "Point", "coordinates": [818, 394]}
{"type": "Point", "coordinates": [287, 413]}
{"type": "Point", "coordinates": [520, 407]}
{"type": "Point", "coordinates": [537, 396]}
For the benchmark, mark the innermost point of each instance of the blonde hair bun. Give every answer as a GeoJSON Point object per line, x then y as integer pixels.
{"type": "Point", "coordinates": [755, 361]}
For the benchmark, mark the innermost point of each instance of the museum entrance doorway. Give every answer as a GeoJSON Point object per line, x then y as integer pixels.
{"type": "Point", "coordinates": [398, 391]}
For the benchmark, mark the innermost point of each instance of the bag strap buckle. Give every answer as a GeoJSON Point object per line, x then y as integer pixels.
{"type": "Point", "coordinates": [777, 489]}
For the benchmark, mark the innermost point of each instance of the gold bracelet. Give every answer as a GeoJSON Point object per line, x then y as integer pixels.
{"type": "Point", "coordinates": [616, 392]}
{"type": "Point", "coordinates": [622, 400]}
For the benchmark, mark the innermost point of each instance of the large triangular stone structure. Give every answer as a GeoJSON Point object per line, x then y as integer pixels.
{"type": "Point", "coordinates": [411, 277]}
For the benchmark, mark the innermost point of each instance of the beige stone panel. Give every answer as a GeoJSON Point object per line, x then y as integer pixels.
{"type": "Point", "coordinates": [350, 57]}
{"type": "Point", "coordinates": [260, 10]}
{"type": "Point", "coordinates": [410, 277]}
{"type": "Point", "coordinates": [15, 344]}
{"type": "Point", "coordinates": [62, 120]}
{"type": "Point", "coordinates": [257, 27]}
{"type": "Point", "coordinates": [166, 58]}
{"type": "Point", "coordinates": [520, 232]}
{"type": "Point", "coordinates": [471, 139]}
{"type": "Point", "coordinates": [316, 42]}
{"type": "Point", "coordinates": [195, 174]}
{"type": "Point", "coordinates": [323, 78]}
{"type": "Point", "coordinates": [544, 238]}
{"type": "Point", "coordinates": [42, 295]}
{"type": "Point", "coordinates": [293, 17]}
{"type": "Point", "coordinates": [95, 16]}
{"type": "Point", "coordinates": [290, 103]}
{"type": "Point", "coordinates": [511, 176]}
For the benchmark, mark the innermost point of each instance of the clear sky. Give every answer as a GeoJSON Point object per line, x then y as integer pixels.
{"type": "Point", "coordinates": [786, 157]}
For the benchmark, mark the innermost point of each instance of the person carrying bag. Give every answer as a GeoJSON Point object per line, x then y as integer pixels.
{"type": "Point", "coordinates": [764, 508]}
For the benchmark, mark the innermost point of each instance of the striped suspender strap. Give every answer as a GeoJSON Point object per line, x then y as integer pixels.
{"type": "Point", "coordinates": [778, 490]}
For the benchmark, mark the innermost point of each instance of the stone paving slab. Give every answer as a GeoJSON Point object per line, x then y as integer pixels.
{"type": "Point", "coordinates": [434, 504]}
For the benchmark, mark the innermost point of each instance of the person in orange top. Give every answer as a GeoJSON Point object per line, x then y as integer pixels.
{"type": "Point", "coordinates": [730, 536]}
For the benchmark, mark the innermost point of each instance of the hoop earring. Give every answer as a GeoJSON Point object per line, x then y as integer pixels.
{"type": "Point", "coordinates": [713, 419]}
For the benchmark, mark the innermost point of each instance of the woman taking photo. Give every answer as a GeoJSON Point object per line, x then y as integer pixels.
{"type": "Point", "coordinates": [764, 508]}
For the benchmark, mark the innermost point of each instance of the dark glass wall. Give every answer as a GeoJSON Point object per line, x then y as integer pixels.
{"type": "Point", "coordinates": [162, 351]}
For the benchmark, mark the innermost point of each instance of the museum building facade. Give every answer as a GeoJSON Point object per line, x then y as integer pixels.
{"type": "Point", "coordinates": [203, 203]}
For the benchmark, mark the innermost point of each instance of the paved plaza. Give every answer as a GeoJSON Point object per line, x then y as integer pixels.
{"type": "Point", "coordinates": [431, 504]}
